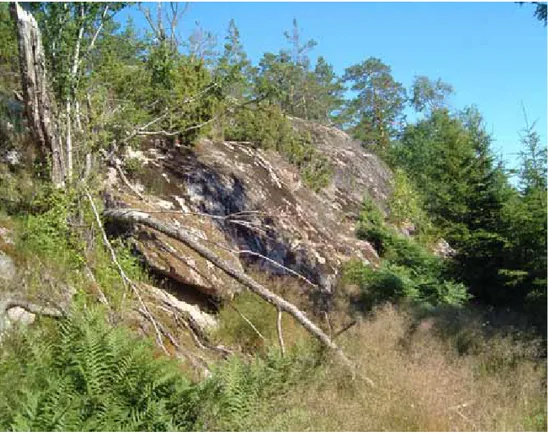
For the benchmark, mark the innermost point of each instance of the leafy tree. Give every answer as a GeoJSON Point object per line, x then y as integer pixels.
{"type": "Point", "coordinates": [70, 32]}
{"type": "Point", "coordinates": [376, 112]}
{"type": "Point", "coordinates": [428, 95]}
{"type": "Point", "coordinates": [201, 45]}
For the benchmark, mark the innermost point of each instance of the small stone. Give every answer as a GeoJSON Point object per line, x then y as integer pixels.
{"type": "Point", "coordinates": [20, 315]}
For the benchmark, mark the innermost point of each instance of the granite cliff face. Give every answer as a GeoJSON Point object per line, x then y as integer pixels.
{"type": "Point", "coordinates": [251, 207]}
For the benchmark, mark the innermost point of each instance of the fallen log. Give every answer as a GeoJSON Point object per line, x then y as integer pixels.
{"type": "Point", "coordinates": [140, 217]}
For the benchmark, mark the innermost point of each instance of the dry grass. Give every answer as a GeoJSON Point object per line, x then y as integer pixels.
{"type": "Point", "coordinates": [422, 384]}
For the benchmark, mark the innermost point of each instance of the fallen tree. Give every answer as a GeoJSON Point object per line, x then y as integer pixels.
{"type": "Point", "coordinates": [141, 217]}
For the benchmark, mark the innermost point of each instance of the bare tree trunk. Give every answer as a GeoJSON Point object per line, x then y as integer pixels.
{"type": "Point", "coordinates": [72, 97]}
{"type": "Point", "coordinates": [140, 217]}
{"type": "Point", "coordinates": [68, 140]}
{"type": "Point", "coordinates": [38, 106]}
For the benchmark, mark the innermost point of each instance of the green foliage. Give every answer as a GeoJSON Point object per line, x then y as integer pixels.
{"type": "Point", "coordinates": [435, 153]}
{"type": "Point", "coordinates": [287, 80]}
{"type": "Point", "coordinates": [540, 10]}
{"type": "Point", "coordinates": [133, 166]}
{"type": "Point", "coordinates": [408, 270]}
{"type": "Point", "coordinates": [9, 63]}
{"type": "Point", "coordinates": [406, 204]}
{"type": "Point", "coordinates": [243, 396]}
{"type": "Point", "coordinates": [233, 68]}
{"type": "Point", "coordinates": [378, 107]}
{"type": "Point", "coordinates": [499, 231]}
{"type": "Point", "coordinates": [84, 375]}
{"type": "Point", "coordinates": [67, 31]}
{"type": "Point", "coordinates": [46, 232]}
{"type": "Point", "coordinates": [267, 127]}
{"type": "Point", "coordinates": [525, 214]}
{"type": "Point", "coordinates": [428, 95]}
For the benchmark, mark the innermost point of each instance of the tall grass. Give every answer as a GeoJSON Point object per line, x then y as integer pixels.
{"type": "Point", "coordinates": [421, 383]}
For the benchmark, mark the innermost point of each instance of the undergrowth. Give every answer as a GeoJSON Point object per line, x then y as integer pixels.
{"type": "Point", "coordinates": [249, 323]}
{"type": "Point", "coordinates": [83, 375]}
{"type": "Point", "coordinates": [408, 270]}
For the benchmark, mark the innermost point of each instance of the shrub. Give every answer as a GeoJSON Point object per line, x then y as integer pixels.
{"type": "Point", "coordinates": [408, 270]}
{"type": "Point", "coordinates": [406, 205]}
{"type": "Point", "coordinates": [268, 128]}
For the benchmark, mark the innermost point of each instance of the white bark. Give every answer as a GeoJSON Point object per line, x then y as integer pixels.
{"type": "Point", "coordinates": [39, 109]}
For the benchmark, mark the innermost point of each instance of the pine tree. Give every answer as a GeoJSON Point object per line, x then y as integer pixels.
{"type": "Point", "coordinates": [376, 112]}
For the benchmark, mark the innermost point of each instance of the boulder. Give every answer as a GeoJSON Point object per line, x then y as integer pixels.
{"type": "Point", "coordinates": [251, 207]}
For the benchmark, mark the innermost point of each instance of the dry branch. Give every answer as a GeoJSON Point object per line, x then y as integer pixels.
{"type": "Point", "coordinates": [125, 279]}
{"type": "Point", "coordinates": [249, 322]}
{"type": "Point", "coordinates": [230, 219]}
{"type": "Point", "coordinates": [279, 329]}
{"type": "Point", "coordinates": [129, 215]}
{"type": "Point", "coordinates": [6, 304]}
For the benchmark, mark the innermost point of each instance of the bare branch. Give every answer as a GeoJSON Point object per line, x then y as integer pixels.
{"type": "Point", "coordinates": [344, 329]}
{"type": "Point", "coordinates": [31, 307]}
{"type": "Point", "coordinates": [249, 322]}
{"type": "Point", "coordinates": [125, 279]}
{"type": "Point", "coordinates": [279, 329]}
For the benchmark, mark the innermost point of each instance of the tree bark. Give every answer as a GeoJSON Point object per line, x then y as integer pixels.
{"type": "Point", "coordinates": [140, 217]}
{"type": "Point", "coordinates": [39, 110]}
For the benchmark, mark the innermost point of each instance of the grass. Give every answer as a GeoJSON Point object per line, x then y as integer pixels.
{"type": "Point", "coordinates": [422, 385]}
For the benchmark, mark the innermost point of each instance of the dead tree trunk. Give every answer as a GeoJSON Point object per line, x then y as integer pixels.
{"type": "Point", "coordinates": [140, 217]}
{"type": "Point", "coordinates": [38, 102]}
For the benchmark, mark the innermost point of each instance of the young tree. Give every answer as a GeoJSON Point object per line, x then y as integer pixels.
{"type": "Point", "coordinates": [428, 95]}
{"type": "Point", "coordinates": [376, 112]}
{"type": "Point", "coordinates": [70, 32]}
{"type": "Point", "coordinates": [233, 68]}
{"type": "Point", "coordinates": [201, 45]}
{"type": "Point", "coordinates": [327, 91]}
{"type": "Point", "coordinates": [526, 214]}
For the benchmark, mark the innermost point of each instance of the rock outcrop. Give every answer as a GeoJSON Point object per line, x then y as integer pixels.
{"type": "Point", "coordinates": [250, 206]}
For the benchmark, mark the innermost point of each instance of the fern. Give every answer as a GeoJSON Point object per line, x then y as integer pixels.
{"type": "Point", "coordinates": [82, 375]}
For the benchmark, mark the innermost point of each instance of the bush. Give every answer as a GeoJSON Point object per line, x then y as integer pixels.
{"type": "Point", "coordinates": [408, 270]}
{"type": "Point", "coordinates": [406, 205]}
{"type": "Point", "coordinates": [267, 127]}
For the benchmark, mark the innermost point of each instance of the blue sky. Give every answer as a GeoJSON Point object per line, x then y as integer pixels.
{"type": "Point", "coordinates": [494, 54]}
